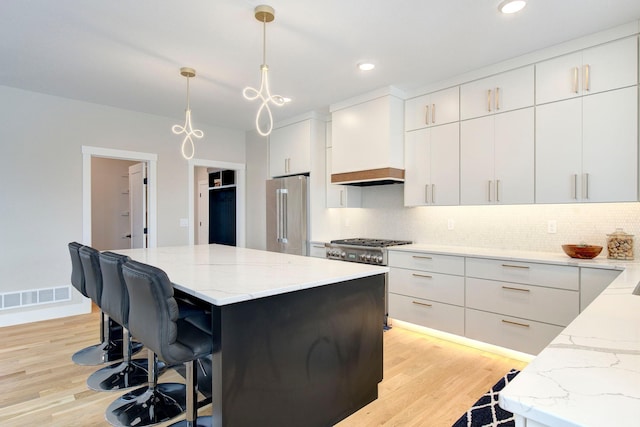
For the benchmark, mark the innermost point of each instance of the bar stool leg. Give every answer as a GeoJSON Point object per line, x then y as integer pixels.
{"type": "Point", "coordinates": [109, 349]}
{"type": "Point", "coordinates": [191, 419]}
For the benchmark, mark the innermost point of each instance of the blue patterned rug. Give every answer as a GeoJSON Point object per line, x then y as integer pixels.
{"type": "Point", "coordinates": [486, 412]}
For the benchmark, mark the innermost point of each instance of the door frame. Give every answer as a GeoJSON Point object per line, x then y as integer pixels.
{"type": "Point", "coordinates": [240, 170]}
{"type": "Point", "coordinates": [152, 187]}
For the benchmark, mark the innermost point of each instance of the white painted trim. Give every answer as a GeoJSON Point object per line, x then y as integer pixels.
{"type": "Point", "coordinates": [240, 169]}
{"type": "Point", "coordinates": [28, 316]}
{"type": "Point", "coordinates": [150, 158]}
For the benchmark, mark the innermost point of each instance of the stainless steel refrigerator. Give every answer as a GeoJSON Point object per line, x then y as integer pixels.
{"type": "Point", "coordinates": [288, 215]}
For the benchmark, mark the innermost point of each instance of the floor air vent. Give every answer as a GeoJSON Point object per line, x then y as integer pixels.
{"type": "Point", "coordinates": [32, 297]}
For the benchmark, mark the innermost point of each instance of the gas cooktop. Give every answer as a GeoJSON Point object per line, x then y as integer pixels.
{"type": "Point", "coordinates": [376, 243]}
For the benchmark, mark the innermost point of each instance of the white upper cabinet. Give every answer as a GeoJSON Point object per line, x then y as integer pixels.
{"type": "Point", "coordinates": [506, 91]}
{"type": "Point", "coordinates": [587, 148]}
{"type": "Point", "coordinates": [434, 109]}
{"type": "Point", "coordinates": [340, 196]}
{"type": "Point", "coordinates": [609, 66]}
{"type": "Point", "coordinates": [432, 166]}
{"type": "Point", "coordinates": [290, 149]}
{"type": "Point", "coordinates": [497, 159]}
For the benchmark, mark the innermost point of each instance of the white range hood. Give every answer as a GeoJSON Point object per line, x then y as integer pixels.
{"type": "Point", "coordinates": [367, 139]}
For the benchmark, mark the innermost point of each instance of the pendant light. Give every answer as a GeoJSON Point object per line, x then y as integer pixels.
{"type": "Point", "coordinates": [264, 14]}
{"type": "Point", "coordinates": [187, 129]}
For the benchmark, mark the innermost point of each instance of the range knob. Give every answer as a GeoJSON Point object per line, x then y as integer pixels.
{"type": "Point", "coordinates": [367, 257]}
{"type": "Point", "coordinates": [343, 255]}
{"type": "Point", "coordinates": [379, 259]}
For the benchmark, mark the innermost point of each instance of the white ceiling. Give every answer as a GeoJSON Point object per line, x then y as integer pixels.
{"type": "Point", "coordinates": [127, 53]}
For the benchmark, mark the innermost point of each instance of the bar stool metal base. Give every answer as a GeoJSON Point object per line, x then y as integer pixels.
{"type": "Point", "coordinates": [98, 354]}
{"type": "Point", "coordinates": [147, 406]}
{"type": "Point", "coordinates": [120, 376]}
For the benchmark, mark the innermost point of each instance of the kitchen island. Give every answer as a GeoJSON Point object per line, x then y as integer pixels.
{"type": "Point", "coordinates": [300, 338]}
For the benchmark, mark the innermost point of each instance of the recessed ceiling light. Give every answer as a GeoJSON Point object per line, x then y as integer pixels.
{"type": "Point", "coordinates": [512, 6]}
{"type": "Point", "coordinates": [366, 66]}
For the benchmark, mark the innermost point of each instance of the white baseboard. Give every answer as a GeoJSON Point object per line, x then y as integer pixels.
{"type": "Point", "coordinates": [20, 317]}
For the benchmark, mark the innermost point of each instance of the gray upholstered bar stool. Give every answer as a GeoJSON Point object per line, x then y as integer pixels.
{"type": "Point", "coordinates": [115, 303]}
{"type": "Point", "coordinates": [154, 320]}
{"type": "Point", "coordinates": [109, 349]}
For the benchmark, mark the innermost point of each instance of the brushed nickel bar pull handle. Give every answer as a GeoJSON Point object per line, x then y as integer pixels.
{"type": "Point", "coordinates": [421, 257]}
{"type": "Point", "coordinates": [516, 289]}
{"type": "Point", "coordinates": [575, 79]}
{"type": "Point", "coordinates": [575, 186]}
{"type": "Point", "coordinates": [497, 190]}
{"type": "Point", "coordinates": [489, 100]}
{"type": "Point", "coordinates": [497, 98]}
{"type": "Point", "coordinates": [422, 303]}
{"type": "Point", "coordinates": [422, 275]}
{"type": "Point", "coordinates": [489, 190]}
{"type": "Point", "coordinates": [587, 79]}
{"type": "Point", "coordinates": [319, 246]}
{"type": "Point", "coordinates": [341, 197]}
{"type": "Point", "coordinates": [586, 185]}
{"type": "Point", "coordinates": [433, 193]}
{"type": "Point", "coordinates": [524, 325]}
{"type": "Point", "coordinates": [426, 114]}
{"type": "Point", "coordinates": [433, 113]}
{"type": "Point", "coordinates": [524, 267]}
{"type": "Point", "coordinates": [426, 193]}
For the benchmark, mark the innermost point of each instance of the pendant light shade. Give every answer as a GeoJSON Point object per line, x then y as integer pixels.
{"type": "Point", "coordinates": [264, 14]}
{"type": "Point", "coordinates": [188, 149]}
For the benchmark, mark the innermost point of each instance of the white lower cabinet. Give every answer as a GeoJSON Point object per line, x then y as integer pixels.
{"type": "Point", "coordinates": [526, 336]}
{"type": "Point", "coordinates": [427, 290]}
{"type": "Point", "coordinates": [317, 250]}
{"type": "Point", "coordinates": [519, 305]}
{"type": "Point", "coordinates": [431, 314]}
{"type": "Point", "coordinates": [592, 282]}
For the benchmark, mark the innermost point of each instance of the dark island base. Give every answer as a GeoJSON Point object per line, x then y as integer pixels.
{"type": "Point", "coordinates": [305, 358]}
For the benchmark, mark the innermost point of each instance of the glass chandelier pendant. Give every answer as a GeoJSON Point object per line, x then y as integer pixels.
{"type": "Point", "coordinates": [264, 14]}
{"type": "Point", "coordinates": [187, 129]}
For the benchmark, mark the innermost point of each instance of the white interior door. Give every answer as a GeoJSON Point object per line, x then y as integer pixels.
{"type": "Point", "coordinates": [203, 213]}
{"type": "Point", "coordinates": [138, 204]}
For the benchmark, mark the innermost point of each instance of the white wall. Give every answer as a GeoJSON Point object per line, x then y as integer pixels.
{"type": "Point", "coordinates": [41, 179]}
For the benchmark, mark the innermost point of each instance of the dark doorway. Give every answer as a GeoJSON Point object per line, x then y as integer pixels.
{"type": "Point", "coordinates": [222, 216]}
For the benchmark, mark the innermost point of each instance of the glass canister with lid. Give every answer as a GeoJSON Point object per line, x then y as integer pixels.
{"type": "Point", "coordinates": [620, 245]}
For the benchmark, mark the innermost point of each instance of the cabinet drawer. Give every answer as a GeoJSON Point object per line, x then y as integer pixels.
{"type": "Point", "coordinates": [522, 335]}
{"type": "Point", "coordinates": [426, 285]}
{"type": "Point", "coordinates": [431, 314]}
{"type": "Point", "coordinates": [554, 276]}
{"type": "Point", "coordinates": [557, 306]}
{"type": "Point", "coordinates": [447, 264]}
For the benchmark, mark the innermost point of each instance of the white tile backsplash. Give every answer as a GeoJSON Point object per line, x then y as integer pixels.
{"type": "Point", "coordinates": [522, 227]}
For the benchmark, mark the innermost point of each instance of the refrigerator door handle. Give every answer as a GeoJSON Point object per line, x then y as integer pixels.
{"type": "Point", "coordinates": [285, 219]}
{"type": "Point", "coordinates": [278, 214]}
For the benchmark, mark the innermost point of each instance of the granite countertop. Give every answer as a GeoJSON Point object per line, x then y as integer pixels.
{"type": "Point", "coordinates": [589, 375]}
{"type": "Point", "coordinates": [224, 275]}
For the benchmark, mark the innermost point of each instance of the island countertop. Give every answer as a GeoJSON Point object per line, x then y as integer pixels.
{"type": "Point", "coordinates": [223, 275]}
{"type": "Point", "coordinates": [589, 375]}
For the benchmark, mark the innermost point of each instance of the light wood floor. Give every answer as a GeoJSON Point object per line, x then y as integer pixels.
{"type": "Point", "coordinates": [427, 381]}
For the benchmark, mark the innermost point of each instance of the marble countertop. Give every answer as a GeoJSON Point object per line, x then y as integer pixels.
{"type": "Point", "coordinates": [589, 375]}
{"type": "Point", "coordinates": [225, 274]}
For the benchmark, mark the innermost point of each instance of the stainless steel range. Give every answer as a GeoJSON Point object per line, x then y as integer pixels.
{"type": "Point", "coordinates": [366, 251]}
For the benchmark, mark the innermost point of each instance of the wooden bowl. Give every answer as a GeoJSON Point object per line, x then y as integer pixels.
{"type": "Point", "coordinates": [582, 251]}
